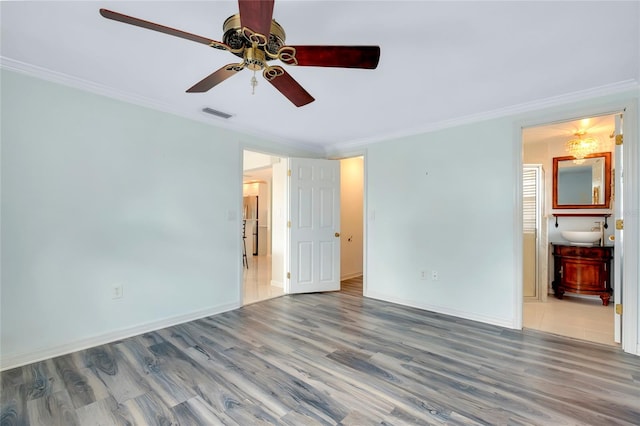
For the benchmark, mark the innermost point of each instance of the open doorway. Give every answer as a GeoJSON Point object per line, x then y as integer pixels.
{"type": "Point", "coordinates": [263, 206]}
{"type": "Point", "coordinates": [352, 225]}
{"type": "Point", "coordinates": [257, 227]}
{"type": "Point", "coordinates": [578, 312]}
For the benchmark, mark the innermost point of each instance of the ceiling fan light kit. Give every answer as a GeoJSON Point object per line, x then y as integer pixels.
{"type": "Point", "coordinates": [257, 38]}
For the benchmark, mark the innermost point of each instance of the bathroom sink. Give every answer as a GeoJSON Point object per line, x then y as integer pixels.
{"type": "Point", "coordinates": [581, 237]}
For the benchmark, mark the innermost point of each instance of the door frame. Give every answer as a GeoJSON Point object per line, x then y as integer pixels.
{"type": "Point", "coordinates": [618, 182]}
{"type": "Point", "coordinates": [281, 210]}
{"type": "Point", "coordinates": [631, 198]}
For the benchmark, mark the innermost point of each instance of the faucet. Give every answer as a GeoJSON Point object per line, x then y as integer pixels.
{"type": "Point", "coordinates": [599, 227]}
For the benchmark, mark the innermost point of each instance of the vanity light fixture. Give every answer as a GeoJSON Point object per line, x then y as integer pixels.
{"type": "Point", "coordinates": [580, 146]}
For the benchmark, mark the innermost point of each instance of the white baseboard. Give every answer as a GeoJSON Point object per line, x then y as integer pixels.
{"type": "Point", "coordinates": [349, 276]}
{"type": "Point", "coordinates": [501, 322]}
{"type": "Point", "coordinates": [18, 360]}
{"type": "Point", "coordinates": [277, 284]}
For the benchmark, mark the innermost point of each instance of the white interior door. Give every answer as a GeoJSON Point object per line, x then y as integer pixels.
{"type": "Point", "coordinates": [618, 254]}
{"type": "Point", "coordinates": [314, 232]}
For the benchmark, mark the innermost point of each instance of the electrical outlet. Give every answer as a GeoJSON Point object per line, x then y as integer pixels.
{"type": "Point", "coordinates": [423, 275]}
{"type": "Point", "coordinates": [117, 291]}
{"type": "Point", "coordinates": [434, 275]}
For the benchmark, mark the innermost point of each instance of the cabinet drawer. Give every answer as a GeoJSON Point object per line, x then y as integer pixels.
{"type": "Point", "coordinates": [583, 252]}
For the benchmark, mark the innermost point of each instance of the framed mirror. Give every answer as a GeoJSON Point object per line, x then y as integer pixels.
{"type": "Point", "coordinates": [582, 184]}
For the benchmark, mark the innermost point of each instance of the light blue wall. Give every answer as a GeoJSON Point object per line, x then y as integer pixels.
{"type": "Point", "coordinates": [447, 201]}
{"type": "Point", "coordinates": [444, 202]}
{"type": "Point", "coordinates": [97, 192]}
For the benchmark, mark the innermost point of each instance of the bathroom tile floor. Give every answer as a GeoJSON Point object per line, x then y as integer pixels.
{"type": "Point", "coordinates": [580, 318]}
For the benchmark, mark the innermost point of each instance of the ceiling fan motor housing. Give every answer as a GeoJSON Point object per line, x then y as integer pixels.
{"type": "Point", "coordinates": [235, 38]}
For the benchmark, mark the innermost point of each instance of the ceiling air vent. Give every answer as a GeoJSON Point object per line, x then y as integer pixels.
{"type": "Point", "coordinates": [216, 112]}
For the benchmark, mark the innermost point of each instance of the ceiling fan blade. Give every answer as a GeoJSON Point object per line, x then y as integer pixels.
{"type": "Point", "coordinates": [256, 15]}
{"type": "Point", "coordinates": [366, 57]}
{"type": "Point", "coordinates": [290, 88]}
{"type": "Point", "coordinates": [109, 14]}
{"type": "Point", "coordinates": [215, 78]}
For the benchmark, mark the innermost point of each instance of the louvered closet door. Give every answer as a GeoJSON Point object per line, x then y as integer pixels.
{"type": "Point", "coordinates": [530, 227]}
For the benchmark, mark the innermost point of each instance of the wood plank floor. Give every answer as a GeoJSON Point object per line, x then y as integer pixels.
{"type": "Point", "coordinates": [352, 286]}
{"type": "Point", "coordinates": [328, 359]}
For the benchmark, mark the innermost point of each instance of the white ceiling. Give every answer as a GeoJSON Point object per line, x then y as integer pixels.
{"type": "Point", "coordinates": [442, 63]}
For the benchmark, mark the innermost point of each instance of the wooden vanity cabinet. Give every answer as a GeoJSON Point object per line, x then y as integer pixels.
{"type": "Point", "coordinates": [582, 270]}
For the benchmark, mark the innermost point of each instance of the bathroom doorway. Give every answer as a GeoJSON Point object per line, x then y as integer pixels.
{"type": "Point", "coordinates": [575, 315]}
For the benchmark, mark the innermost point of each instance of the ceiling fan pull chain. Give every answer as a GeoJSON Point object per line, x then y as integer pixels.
{"type": "Point", "coordinates": [254, 83]}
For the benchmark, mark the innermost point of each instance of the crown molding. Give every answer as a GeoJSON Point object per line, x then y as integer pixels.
{"type": "Point", "coordinates": [540, 104]}
{"type": "Point", "coordinates": [78, 83]}
{"type": "Point", "coordinates": [110, 92]}
{"type": "Point", "coordinates": [334, 149]}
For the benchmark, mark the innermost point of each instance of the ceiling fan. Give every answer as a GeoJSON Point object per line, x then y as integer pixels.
{"type": "Point", "coordinates": [257, 38]}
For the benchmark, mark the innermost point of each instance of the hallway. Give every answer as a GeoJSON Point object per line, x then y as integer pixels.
{"type": "Point", "coordinates": [257, 281]}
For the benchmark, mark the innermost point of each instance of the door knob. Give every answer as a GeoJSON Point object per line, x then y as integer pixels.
{"type": "Point", "coordinates": [337, 234]}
